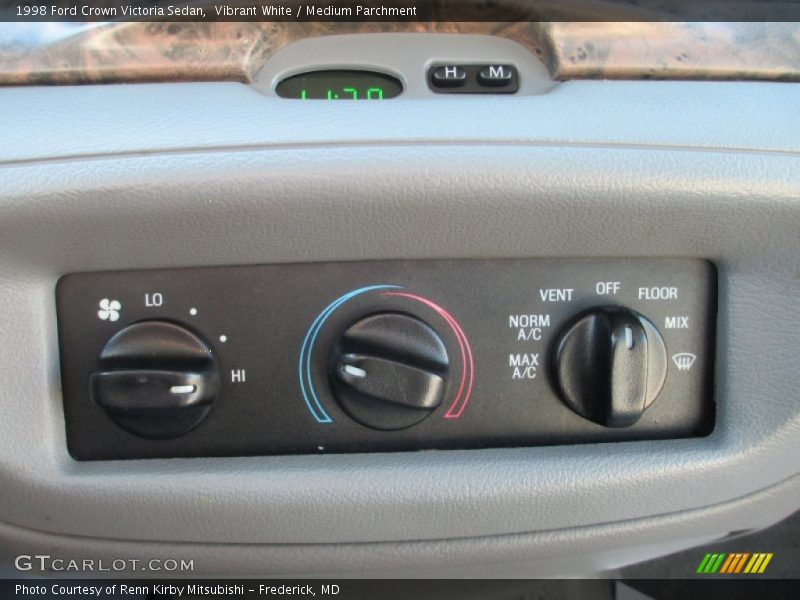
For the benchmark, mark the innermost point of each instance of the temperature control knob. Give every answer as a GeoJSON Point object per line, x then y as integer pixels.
{"type": "Point", "coordinates": [389, 371]}
{"type": "Point", "coordinates": [156, 379]}
{"type": "Point", "coordinates": [610, 365]}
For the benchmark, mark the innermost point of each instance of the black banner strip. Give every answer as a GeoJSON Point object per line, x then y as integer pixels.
{"type": "Point", "coordinates": [400, 11]}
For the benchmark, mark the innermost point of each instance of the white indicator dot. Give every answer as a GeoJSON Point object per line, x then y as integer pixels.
{"type": "Point", "coordinates": [354, 371]}
{"type": "Point", "coordinates": [193, 311]}
{"type": "Point", "coordinates": [628, 337]}
{"type": "Point", "coordinates": [223, 338]}
{"type": "Point", "coordinates": [182, 389]}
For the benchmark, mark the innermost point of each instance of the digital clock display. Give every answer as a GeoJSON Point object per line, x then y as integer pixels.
{"type": "Point", "coordinates": [340, 85]}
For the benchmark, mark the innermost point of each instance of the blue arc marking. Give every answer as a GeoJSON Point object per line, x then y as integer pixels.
{"type": "Point", "coordinates": [306, 350]}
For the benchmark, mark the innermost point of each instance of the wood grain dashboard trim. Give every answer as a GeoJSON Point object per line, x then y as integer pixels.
{"type": "Point", "coordinates": [226, 51]}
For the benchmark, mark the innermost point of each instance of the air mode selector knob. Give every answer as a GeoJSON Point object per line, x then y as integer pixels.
{"type": "Point", "coordinates": [156, 379]}
{"type": "Point", "coordinates": [389, 371]}
{"type": "Point", "coordinates": [610, 364]}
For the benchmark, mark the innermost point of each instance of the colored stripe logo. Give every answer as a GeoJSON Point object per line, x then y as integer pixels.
{"type": "Point", "coordinates": [734, 563]}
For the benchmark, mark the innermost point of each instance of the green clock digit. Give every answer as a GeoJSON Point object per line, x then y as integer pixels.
{"type": "Point", "coordinates": [340, 84]}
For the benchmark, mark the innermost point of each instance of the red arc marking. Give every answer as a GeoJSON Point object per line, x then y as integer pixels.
{"type": "Point", "coordinates": [467, 369]}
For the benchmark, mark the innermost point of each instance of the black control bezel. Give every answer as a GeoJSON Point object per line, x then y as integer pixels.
{"type": "Point", "coordinates": [265, 313]}
{"type": "Point", "coordinates": [472, 84]}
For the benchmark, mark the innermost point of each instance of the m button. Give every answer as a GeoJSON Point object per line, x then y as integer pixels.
{"type": "Point", "coordinates": [496, 75]}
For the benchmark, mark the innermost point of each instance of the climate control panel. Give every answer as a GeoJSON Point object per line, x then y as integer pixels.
{"type": "Point", "coordinates": [383, 356]}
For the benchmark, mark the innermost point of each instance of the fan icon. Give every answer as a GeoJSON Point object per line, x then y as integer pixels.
{"type": "Point", "coordinates": [109, 309]}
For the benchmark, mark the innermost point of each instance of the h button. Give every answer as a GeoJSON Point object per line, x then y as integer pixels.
{"type": "Point", "coordinates": [448, 76]}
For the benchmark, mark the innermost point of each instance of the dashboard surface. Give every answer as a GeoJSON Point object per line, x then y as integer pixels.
{"type": "Point", "coordinates": [204, 166]}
